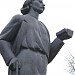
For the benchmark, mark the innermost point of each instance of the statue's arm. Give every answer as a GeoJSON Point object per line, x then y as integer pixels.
{"type": "Point", "coordinates": [7, 36]}
{"type": "Point", "coordinates": [55, 46]}
{"type": "Point", "coordinates": [5, 48]}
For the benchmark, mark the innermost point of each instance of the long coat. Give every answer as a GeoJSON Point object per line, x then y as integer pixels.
{"type": "Point", "coordinates": [28, 39]}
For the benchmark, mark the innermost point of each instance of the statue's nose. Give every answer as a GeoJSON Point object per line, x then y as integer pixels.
{"type": "Point", "coordinates": [43, 4]}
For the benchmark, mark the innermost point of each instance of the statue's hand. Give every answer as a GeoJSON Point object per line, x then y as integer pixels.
{"type": "Point", "coordinates": [64, 34]}
{"type": "Point", "coordinates": [12, 64]}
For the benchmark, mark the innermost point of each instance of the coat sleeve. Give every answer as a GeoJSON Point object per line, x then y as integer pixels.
{"type": "Point", "coordinates": [55, 46]}
{"type": "Point", "coordinates": [7, 37]}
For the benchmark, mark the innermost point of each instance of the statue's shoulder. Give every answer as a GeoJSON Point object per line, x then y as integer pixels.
{"type": "Point", "coordinates": [43, 25]}
{"type": "Point", "coordinates": [15, 21]}
{"type": "Point", "coordinates": [17, 18]}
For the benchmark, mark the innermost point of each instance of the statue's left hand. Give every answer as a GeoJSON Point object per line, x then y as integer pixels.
{"type": "Point", "coordinates": [64, 34]}
{"type": "Point", "coordinates": [12, 64]}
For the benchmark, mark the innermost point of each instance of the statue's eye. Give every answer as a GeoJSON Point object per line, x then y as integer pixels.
{"type": "Point", "coordinates": [40, 1]}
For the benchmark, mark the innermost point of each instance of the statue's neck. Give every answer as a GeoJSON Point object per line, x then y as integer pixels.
{"type": "Point", "coordinates": [33, 13]}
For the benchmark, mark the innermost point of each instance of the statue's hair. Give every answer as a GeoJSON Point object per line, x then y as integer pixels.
{"type": "Point", "coordinates": [26, 7]}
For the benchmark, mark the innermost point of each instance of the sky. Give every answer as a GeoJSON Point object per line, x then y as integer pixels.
{"type": "Point", "coordinates": [58, 14]}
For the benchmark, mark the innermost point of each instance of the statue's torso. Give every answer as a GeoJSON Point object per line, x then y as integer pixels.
{"type": "Point", "coordinates": [37, 36]}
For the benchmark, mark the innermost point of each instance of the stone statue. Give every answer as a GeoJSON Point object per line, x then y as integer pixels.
{"type": "Point", "coordinates": [25, 42]}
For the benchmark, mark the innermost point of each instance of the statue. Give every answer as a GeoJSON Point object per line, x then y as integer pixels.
{"type": "Point", "coordinates": [25, 42]}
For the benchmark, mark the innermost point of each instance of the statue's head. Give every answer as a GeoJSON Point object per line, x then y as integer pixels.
{"type": "Point", "coordinates": [37, 5]}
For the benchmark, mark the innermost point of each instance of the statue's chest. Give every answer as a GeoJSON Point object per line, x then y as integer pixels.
{"type": "Point", "coordinates": [38, 28]}
{"type": "Point", "coordinates": [35, 26]}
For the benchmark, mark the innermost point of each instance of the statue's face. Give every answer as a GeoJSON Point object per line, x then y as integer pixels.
{"type": "Point", "coordinates": [38, 6]}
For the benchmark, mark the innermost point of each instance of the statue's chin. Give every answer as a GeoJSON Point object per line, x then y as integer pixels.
{"type": "Point", "coordinates": [40, 11]}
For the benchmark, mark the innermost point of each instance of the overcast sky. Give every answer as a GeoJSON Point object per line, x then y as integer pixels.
{"type": "Point", "coordinates": [58, 14]}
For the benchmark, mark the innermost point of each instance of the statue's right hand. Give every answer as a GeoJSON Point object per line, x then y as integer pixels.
{"type": "Point", "coordinates": [12, 64]}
